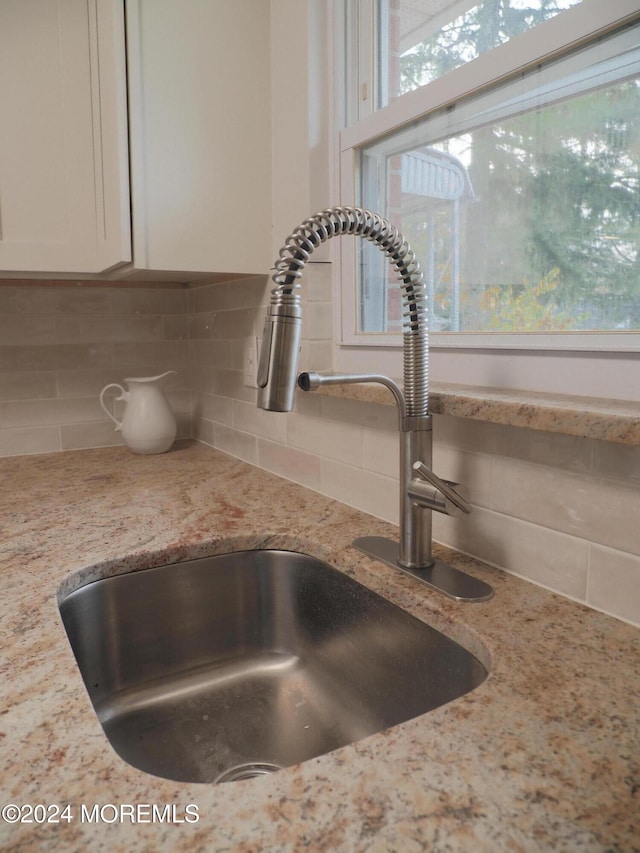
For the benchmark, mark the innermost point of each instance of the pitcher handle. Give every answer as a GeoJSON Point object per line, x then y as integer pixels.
{"type": "Point", "coordinates": [123, 396]}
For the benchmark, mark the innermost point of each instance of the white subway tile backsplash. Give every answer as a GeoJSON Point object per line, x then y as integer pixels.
{"type": "Point", "coordinates": [248, 292]}
{"type": "Point", "coordinates": [249, 418]}
{"type": "Point", "coordinates": [325, 438]}
{"type": "Point", "coordinates": [251, 292]}
{"type": "Point", "coordinates": [210, 353]}
{"type": "Point", "coordinates": [81, 436]}
{"type": "Point", "coordinates": [48, 412]}
{"type": "Point", "coordinates": [180, 399]}
{"type": "Point", "coordinates": [93, 355]}
{"type": "Point", "coordinates": [238, 323]}
{"type": "Point", "coordinates": [318, 322]}
{"type": "Point", "coordinates": [381, 451]}
{"type": "Point", "coordinates": [202, 380]}
{"type": "Point", "coordinates": [18, 329]}
{"type": "Point", "coordinates": [214, 408]}
{"type": "Point", "coordinates": [614, 583]}
{"type": "Point", "coordinates": [318, 286]}
{"type": "Point", "coordinates": [110, 329]}
{"type": "Point", "coordinates": [83, 383]}
{"type": "Point", "coordinates": [26, 385]}
{"type": "Point", "coordinates": [366, 490]}
{"type": "Point", "coordinates": [143, 357]}
{"type": "Point", "coordinates": [61, 344]}
{"type": "Point", "coordinates": [30, 439]}
{"type": "Point", "coordinates": [304, 358]}
{"type": "Point", "coordinates": [466, 434]}
{"type": "Point", "coordinates": [618, 462]}
{"type": "Point", "coordinates": [176, 327]}
{"type": "Point", "coordinates": [320, 356]}
{"type": "Point", "coordinates": [473, 470]}
{"type": "Point", "coordinates": [230, 383]}
{"type": "Point", "coordinates": [308, 404]}
{"type": "Point", "coordinates": [545, 556]}
{"type": "Point", "coordinates": [8, 297]}
{"type": "Point", "coordinates": [200, 326]}
{"type": "Point", "coordinates": [235, 352]}
{"type": "Point", "coordinates": [184, 421]}
{"type": "Point", "coordinates": [366, 414]}
{"type": "Point", "coordinates": [203, 430]}
{"type": "Point", "coordinates": [130, 301]}
{"type": "Point", "coordinates": [63, 300]}
{"type": "Point", "coordinates": [598, 510]}
{"type": "Point", "coordinates": [207, 298]}
{"type": "Point", "coordinates": [297, 465]}
{"type": "Point", "coordinates": [243, 445]}
{"type": "Point", "coordinates": [544, 448]}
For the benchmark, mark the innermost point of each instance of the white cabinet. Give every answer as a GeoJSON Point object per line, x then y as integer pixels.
{"type": "Point", "coordinates": [195, 106]}
{"type": "Point", "coordinates": [200, 124]}
{"type": "Point", "coordinates": [64, 192]}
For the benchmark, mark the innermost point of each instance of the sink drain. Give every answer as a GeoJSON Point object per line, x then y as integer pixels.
{"type": "Point", "coordinates": [247, 771]}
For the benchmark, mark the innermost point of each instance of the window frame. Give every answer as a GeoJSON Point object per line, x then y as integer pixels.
{"type": "Point", "coordinates": [574, 28]}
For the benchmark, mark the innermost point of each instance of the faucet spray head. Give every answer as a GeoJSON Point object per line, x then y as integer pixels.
{"type": "Point", "coordinates": [278, 365]}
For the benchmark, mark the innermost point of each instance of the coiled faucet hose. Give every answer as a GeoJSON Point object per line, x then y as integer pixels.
{"type": "Point", "coordinates": [359, 222]}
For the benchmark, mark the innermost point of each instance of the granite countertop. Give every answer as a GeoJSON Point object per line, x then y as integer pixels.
{"type": "Point", "coordinates": [543, 756]}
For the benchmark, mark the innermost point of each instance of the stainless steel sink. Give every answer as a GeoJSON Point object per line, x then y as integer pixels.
{"type": "Point", "coordinates": [231, 666]}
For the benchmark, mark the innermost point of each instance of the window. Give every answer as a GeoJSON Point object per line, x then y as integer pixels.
{"type": "Point", "coordinates": [503, 139]}
{"type": "Point", "coordinates": [417, 42]}
{"type": "Point", "coordinates": [524, 201]}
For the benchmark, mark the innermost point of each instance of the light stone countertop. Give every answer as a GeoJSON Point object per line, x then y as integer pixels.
{"type": "Point", "coordinates": [545, 755]}
{"type": "Point", "coordinates": [585, 417]}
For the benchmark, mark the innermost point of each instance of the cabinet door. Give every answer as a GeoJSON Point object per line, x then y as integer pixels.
{"type": "Point", "coordinates": [200, 128]}
{"type": "Point", "coordinates": [64, 184]}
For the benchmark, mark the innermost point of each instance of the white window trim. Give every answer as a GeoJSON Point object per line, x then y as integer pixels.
{"type": "Point", "coordinates": [553, 362]}
{"type": "Point", "coordinates": [557, 36]}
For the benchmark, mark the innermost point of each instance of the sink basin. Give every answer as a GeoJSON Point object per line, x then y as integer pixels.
{"type": "Point", "coordinates": [232, 666]}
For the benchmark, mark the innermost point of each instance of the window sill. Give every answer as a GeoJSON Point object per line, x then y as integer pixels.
{"type": "Point", "coordinates": [586, 417]}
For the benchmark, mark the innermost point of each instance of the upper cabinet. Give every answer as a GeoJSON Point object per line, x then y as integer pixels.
{"type": "Point", "coordinates": [200, 126]}
{"type": "Point", "coordinates": [160, 164]}
{"type": "Point", "coordinates": [64, 180]}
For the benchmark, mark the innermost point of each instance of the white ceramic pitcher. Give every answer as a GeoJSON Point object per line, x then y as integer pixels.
{"type": "Point", "coordinates": [148, 424]}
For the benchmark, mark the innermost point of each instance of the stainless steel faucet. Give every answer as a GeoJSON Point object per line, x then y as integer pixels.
{"type": "Point", "coordinates": [421, 490]}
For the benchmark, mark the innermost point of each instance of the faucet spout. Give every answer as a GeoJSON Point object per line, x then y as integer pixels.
{"type": "Point", "coordinates": [313, 381]}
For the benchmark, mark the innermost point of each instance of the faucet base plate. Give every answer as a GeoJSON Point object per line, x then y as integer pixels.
{"type": "Point", "coordinates": [439, 576]}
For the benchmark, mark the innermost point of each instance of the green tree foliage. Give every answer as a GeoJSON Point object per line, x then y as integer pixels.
{"type": "Point", "coordinates": [555, 227]}
{"type": "Point", "coordinates": [481, 28]}
{"type": "Point", "coordinates": [528, 308]}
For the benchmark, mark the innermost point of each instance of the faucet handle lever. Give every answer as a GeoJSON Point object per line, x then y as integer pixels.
{"type": "Point", "coordinates": [445, 487]}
